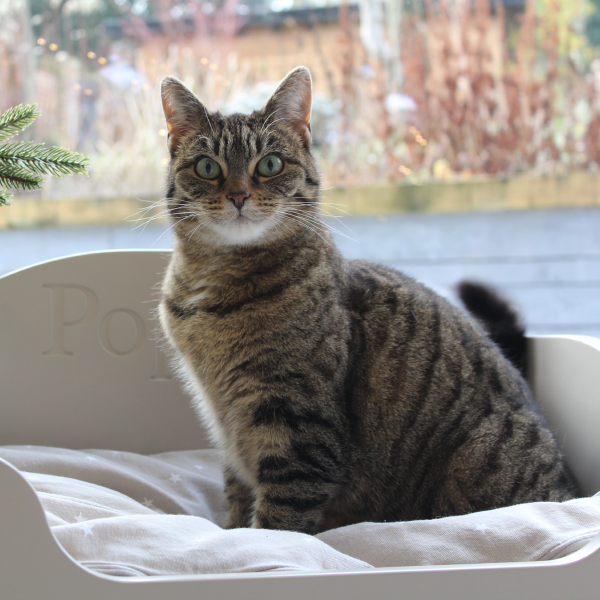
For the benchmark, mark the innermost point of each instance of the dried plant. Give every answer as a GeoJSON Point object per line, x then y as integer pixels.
{"type": "Point", "coordinates": [493, 96]}
{"type": "Point", "coordinates": [487, 108]}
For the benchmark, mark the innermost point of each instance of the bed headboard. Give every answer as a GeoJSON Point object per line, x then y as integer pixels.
{"type": "Point", "coordinates": [80, 366]}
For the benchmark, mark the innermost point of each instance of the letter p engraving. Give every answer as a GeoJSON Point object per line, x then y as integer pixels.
{"type": "Point", "coordinates": [58, 315]}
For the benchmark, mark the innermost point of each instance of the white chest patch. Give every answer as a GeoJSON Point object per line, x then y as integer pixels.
{"type": "Point", "coordinates": [241, 232]}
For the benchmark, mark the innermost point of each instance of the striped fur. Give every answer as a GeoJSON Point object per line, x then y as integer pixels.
{"type": "Point", "coordinates": [340, 391]}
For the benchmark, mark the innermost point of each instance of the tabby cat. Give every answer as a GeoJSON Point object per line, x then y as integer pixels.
{"type": "Point", "coordinates": [339, 391]}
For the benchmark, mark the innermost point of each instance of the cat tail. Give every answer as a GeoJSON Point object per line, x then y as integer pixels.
{"type": "Point", "coordinates": [499, 318]}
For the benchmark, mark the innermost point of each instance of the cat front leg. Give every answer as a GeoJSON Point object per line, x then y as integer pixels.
{"type": "Point", "coordinates": [293, 494]}
{"type": "Point", "coordinates": [240, 501]}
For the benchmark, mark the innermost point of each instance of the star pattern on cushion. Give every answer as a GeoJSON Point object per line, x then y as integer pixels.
{"type": "Point", "coordinates": [87, 528]}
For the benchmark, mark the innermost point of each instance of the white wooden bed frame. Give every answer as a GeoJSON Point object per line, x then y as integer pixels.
{"type": "Point", "coordinates": [80, 368]}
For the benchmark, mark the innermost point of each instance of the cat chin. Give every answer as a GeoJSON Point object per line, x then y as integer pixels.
{"type": "Point", "coordinates": [236, 233]}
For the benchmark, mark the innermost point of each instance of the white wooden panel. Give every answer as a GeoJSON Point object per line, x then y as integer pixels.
{"type": "Point", "coordinates": [79, 362]}
{"type": "Point", "coordinates": [565, 376]}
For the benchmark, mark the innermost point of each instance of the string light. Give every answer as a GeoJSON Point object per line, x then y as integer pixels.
{"type": "Point", "coordinates": [41, 41]}
{"type": "Point", "coordinates": [404, 170]}
{"type": "Point", "coordinates": [76, 87]}
{"type": "Point", "coordinates": [204, 61]}
{"type": "Point", "coordinates": [91, 54]}
{"type": "Point", "coordinates": [53, 47]}
{"type": "Point", "coordinates": [102, 60]}
{"type": "Point", "coordinates": [88, 92]}
{"type": "Point", "coordinates": [162, 132]}
{"type": "Point", "coordinates": [213, 67]}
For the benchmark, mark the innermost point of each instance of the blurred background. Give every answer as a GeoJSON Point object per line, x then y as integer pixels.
{"type": "Point", "coordinates": [457, 138]}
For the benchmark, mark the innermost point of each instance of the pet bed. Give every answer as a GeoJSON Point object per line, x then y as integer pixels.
{"type": "Point", "coordinates": [138, 515]}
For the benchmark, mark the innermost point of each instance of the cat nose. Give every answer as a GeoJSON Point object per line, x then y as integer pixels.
{"type": "Point", "coordinates": [238, 198]}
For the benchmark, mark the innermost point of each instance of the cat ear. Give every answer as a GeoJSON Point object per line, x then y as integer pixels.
{"type": "Point", "coordinates": [182, 109]}
{"type": "Point", "coordinates": [292, 102]}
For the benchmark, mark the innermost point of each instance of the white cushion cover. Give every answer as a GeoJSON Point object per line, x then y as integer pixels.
{"type": "Point", "coordinates": [132, 515]}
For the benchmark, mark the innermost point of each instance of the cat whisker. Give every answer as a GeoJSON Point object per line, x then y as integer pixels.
{"type": "Point", "coordinates": [314, 219]}
{"type": "Point", "coordinates": [339, 220]}
{"type": "Point", "coordinates": [273, 123]}
{"type": "Point", "coordinates": [313, 225]}
{"type": "Point", "coordinates": [354, 239]}
{"type": "Point", "coordinates": [346, 213]}
{"type": "Point", "coordinates": [267, 120]}
{"type": "Point", "coordinates": [323, 203]}
{"type": "Point", "coordinates": [146, 221]}
{"type": "Point", "coordinates": [135, 219]}
{"type": "Point", "coordinates": [305, 214]}
{"type": "Point", "coordinates": [336, 206]}
{"type": "Point", "coordinates": [323, 211]}
{"type": "Point", "coordinates": [307, 226]}
{"type": "Point", "coordinates": [332, 206]}
{"type": "Point", "coordinates": [159, 215]}
{"type": "Point", "coordinates": [200, 224]}
{"type": "Point", "coordinates": [168, 229]}
{"type": "Point", "coordinates": [208, 119]}
{"type": "Point", "coordinates": [146, 209]}
{"type": "Point", "coordinates": [142, 225]}
{"type": "Point", "coordinates": [275, 222]}
{"type": "Point", "coordinates": [143, 211]}
{"type": "Point", "coordinates": [152, 202]}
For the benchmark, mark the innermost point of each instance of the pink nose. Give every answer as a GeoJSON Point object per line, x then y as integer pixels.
{"type": "Point", "coordinates": [238, 199]}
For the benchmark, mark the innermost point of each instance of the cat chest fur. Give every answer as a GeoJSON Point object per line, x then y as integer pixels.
{"type": "Point", "coordinates": [234, 350]}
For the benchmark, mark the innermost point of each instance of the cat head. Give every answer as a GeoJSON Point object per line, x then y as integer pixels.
{"type": "Point", "coordinates": [241, 180]}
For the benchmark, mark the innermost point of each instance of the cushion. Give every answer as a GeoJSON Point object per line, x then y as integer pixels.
{"type": "Point", "coordinates": [132, 515]}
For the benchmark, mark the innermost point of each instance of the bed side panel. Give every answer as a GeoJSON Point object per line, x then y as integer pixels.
{"type": "Point", "coordinates": [565, 374]}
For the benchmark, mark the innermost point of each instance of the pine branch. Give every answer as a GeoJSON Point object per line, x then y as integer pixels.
{"type": "Point", "coordinates": [23, 164]}
{"type": "Point", "coordinates": [18, 178]}
{"type": "Point", "coordinates": [5, 198]}
{"type": "Point", "coordinates": [45, 161]}
{"type": "Point", "coordinates": [16, 119]}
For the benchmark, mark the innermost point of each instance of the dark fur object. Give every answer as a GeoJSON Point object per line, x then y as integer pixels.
{"type": "Point", "coordinates": [499, 318]}
{"type": "Point", "coordinates": [339, 391]}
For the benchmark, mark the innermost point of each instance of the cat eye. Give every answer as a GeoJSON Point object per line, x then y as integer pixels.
{"type": "Point", "coordinates": [207, 168]}
{"type": "Point", "coordinates": [269, 166]}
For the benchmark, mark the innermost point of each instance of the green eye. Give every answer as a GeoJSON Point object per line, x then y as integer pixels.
{"type": "Point", "coordinates": [208, 168]}
{"type": "Point", "coordinates": [270, 165]}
